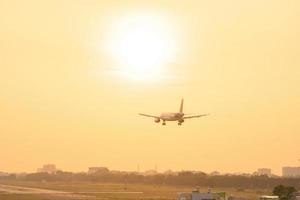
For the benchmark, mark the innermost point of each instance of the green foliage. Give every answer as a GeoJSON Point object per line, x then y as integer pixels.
{"type": "Point", "coordinates": [284, 192]}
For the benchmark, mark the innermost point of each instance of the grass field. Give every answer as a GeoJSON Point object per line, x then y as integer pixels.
{"type": "Point", "coordinates": [102, 191]}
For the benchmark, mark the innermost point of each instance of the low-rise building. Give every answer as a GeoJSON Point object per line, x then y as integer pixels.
{"type": "Point", "coordinates": [97, 170]}
{"type": "Point", "coordinates": [4, 174]}
{"type": "Point", "coordinates": [291, 171]}
{"type": "Point", "coordinates": [264, 171]}
{"type": "Point", "coordinates": [297, 196]}
{"type": "Point", "coordinates": [48, 168]}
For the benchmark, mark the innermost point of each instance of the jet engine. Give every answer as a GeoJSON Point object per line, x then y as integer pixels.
{"type": "Point", "coordinates": [157, 120]}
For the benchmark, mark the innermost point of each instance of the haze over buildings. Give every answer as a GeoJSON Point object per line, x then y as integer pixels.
{"type": "Point", "coordinates": [264, 171]}
{"type": "Point", "coordinates": [95, 170]}
{"type": "Point", "coordinates": [74, 76]}
{"type": "Point", "coordinates": [287, 172]}
{"type": "Point", "coordinates": [48, 168]}
{"type": "Point", "coordinates": [291, 171]}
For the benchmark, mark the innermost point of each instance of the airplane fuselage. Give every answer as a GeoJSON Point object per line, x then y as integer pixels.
{"type": "Point", "coordinates": [171, 116]}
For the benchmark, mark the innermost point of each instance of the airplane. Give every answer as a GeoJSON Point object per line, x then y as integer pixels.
{"type": "Point", "coordinates": [178, 116]}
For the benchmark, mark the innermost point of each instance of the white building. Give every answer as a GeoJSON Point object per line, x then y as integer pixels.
{"type": "Point", "coordinates": [94, 170]}
{"type": "Point", "coordinates": [48, 168]}
{"type": "Point", "coordinates": [291, 171]}
{"type": "Point", "coordinates": [264, 171]}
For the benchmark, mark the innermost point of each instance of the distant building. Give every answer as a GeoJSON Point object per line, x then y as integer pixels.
{"type": "Point", "coordinates": [21, 175]}
{"type": "Point", "coordinates": [3, 174]}
{"type": "Point", "coordinates": [291, 171]}
{"type": "Point", "coordinates": [264, 171]}
{"type": "Point", "coordinates": [297, 196]}
{"type": "Point", "coordinates": [196, 195]}
{"type": "Point", "coordinates": [170, 172]}
{"type": "Point", "coordinates": [150, 172]}
{"type": "Point", "coordinates": [48, 168]}
{"type": "Point", "coordinates": [120, 172]}
{"type": "Point", "coordinates": [240, 174]}
{"type": "Point", "coordinates": [191, 172]}
{"type": "Point", "coordinates": [215, 173]}
{"type": "Point", "coordinates": [97, 170]}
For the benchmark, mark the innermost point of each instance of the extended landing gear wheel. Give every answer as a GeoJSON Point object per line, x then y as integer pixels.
{"type": "Point", "coordinates": [164, 123]}
{"type": "Point", "coordinates": [179, 124]}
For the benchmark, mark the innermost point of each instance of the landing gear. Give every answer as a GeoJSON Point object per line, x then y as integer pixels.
{"type": "Point", "coordinates": [180, 122]}
{"type": "Point", "coordinates": [164, 123]}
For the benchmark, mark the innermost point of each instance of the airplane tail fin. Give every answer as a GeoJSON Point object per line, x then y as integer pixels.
{"type": "Point", "coordinates": [181, 106]}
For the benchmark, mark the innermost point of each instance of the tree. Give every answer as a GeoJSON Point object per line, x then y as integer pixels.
{"type": "Point", "coordinates": [284, 192]}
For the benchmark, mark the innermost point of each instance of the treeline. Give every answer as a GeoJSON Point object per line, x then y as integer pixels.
{"type": "Point", "coordinates": [181, 179]}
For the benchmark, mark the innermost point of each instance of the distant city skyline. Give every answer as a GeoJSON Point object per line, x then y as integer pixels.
{"type": "Point", "coordinates": [287, 171]}
{"type": "Point", "coordinates": [75, 74]}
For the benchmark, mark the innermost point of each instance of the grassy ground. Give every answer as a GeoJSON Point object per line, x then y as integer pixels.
{"type": "Point", "coordinates": [117, 191]}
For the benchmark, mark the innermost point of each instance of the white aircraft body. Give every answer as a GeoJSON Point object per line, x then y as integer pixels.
{"type": "Point", "coordinates": [177, 116]}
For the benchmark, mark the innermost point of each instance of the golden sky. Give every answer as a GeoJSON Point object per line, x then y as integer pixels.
{"type": "Point", "coordinates": [65, 99]}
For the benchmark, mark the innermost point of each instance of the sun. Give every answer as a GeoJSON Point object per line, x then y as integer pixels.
{"type": "Point", "coordinates": [142, 45]}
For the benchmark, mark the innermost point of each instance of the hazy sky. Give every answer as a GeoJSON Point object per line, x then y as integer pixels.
{"type": "Point", "coordinates": [64, 100]}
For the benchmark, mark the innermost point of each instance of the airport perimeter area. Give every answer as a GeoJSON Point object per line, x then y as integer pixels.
{"type": "Point", "coordinates": [24, 190]}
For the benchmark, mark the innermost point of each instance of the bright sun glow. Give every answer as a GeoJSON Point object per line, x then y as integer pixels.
{"type": "Point", "coordinates": [143, 45]}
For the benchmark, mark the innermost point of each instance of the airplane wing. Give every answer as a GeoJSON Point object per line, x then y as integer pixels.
{"type": "Point", "coordinates": [146, 115]}
{"type": "Point", "coordinates": [194, 116]}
